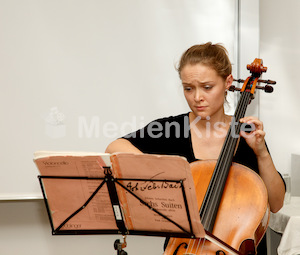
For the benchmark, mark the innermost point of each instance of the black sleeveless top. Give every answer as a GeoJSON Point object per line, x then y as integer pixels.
{"type": "Point", "coordinates": [171, 136]}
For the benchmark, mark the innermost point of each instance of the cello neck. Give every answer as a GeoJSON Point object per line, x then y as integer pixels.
{"type": "Point", "coordinates": [213, 195]}
{"type": "Point", "coordinates": [211, 202]}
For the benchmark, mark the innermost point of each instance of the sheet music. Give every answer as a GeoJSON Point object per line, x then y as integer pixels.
{"type": "Point", "coordinates": [65, 196]}
{"type": "Point", "coordinates": [164, 196]}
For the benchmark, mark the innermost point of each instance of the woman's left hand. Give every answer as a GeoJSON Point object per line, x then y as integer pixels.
{"type": "Point", "coordinates": [256, 137]}
{"type": "Point", "coordinates": [267, 171]}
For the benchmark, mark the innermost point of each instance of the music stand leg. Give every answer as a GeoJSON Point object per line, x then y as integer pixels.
{"type": "Point", "coordinates": [119, 246]}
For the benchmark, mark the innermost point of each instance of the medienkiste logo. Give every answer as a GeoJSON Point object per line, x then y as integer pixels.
{"type": "Point", "coordinates": [54, 123]}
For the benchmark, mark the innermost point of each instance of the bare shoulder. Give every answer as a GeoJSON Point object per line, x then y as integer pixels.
{"type": "Point", "coordinates": [121, 145]}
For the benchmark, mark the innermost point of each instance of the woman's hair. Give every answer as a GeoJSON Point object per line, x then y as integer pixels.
{"type": "Point", "coordinates": [212, 55]}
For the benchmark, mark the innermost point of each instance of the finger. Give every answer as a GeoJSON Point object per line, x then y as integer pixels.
{"type": "Point", "coordinates": [248, 128]}
{"type": "Point", "coordinates": [259, 136]}
{"type": "Point", "coordinates": [247, 135]}
{"type": "Point", "coordinates": [254, 120]}
{"type": "Point", "coordinates": [248, 118]}
{"type": "Point", "coordinates": [259, 133]}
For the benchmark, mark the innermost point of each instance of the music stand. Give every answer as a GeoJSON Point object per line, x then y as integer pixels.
{"type": "Point", "coordinates": [114, 188]}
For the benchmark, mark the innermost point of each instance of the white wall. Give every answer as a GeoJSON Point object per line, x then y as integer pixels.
{"type": "Point", "coordinates": [113, 60]}
{"type": "Point", "coordinates": [76, 75]}
{"type": "Point", "coordinates": [25, 230]}
{"type": "Point", "coordinates": [280, 50]}
{"type": "Point", "coordinates": [248, 44]}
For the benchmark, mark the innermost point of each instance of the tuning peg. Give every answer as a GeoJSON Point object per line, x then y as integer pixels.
{"type": "Point", "coordinates": [263, 81]}
{"type": "Point", "coordinates": [267, 81]}
{"type": "Point", "coordinates": [239, 80]}
{"type": "Point", "coordinates": [233, 88]}
{"type": "Point", "coordinates": [267, 88]}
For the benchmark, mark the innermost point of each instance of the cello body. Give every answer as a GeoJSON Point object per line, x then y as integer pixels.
{"type": "Point", "coordinates": [243, 214]}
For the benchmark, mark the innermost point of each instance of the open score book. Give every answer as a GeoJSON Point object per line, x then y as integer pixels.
{"type": "Point", "coordinates": [164, 183]}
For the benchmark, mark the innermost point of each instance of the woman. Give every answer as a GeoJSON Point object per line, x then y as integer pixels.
{"type": "Point", "coordinates": [205, 72]}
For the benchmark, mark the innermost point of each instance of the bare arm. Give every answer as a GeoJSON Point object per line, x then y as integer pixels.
{"type": "Point", "coordinates": [272, 180]}
{"type": "Point", "coordinates": [267, 170]}
{"type": "Point", "coordinates": [121, 145]}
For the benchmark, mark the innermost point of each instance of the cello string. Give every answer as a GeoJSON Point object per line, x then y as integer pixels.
{"type": "Point", "coordinates": [212, 198]}
{"type": "Point", "coordinates": [193, 244]}
{"type": "Point", "coordinates": [219, 176]}
{"type": "Point", "coordinates": [188, 247]}
{"type": "Point", "coordinates": [194, 241]}
{"type": "Point", "coordinates": [199, 242]}
{"type": "Point", "coordinates": [210, 194]}
{"type": "Point", "coordinates": [222, 156]}
{"type": "Point", "coordinates": [227, 157]}
{"type": "Point", "coordinates": [202, 246]}
{"type": "Point", "coordinates": [233, 140]}
{"type": "Point", "coordinates": [213, 185]}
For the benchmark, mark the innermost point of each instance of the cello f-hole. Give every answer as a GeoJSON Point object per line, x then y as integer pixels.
{"type": "Point", "coordinates": [178, 247]}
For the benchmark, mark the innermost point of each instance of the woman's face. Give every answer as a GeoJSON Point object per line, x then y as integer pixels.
{"type": "Point", "coordinates": [204, 90]}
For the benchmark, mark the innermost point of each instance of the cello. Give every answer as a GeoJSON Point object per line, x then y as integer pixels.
{"type": "Point", "coordinates": [234, 207]}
